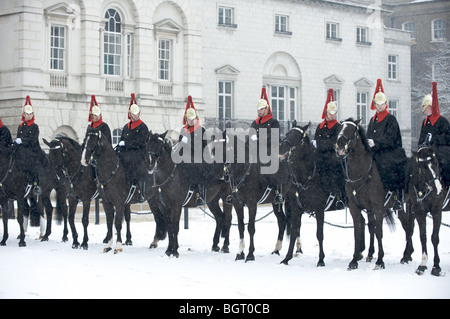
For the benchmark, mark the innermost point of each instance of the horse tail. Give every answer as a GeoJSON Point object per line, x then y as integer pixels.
{"type": "Point", "coordinates": [389, 217]}
{"type": "Point", "coordinates": [35, 217]}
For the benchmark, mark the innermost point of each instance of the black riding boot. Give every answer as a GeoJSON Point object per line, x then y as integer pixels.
{"type": "Point", "coordinates": [278, 195]}
{"type": "Point", "coordinates": [37, 189]}
{"type": "Point", "coordinates": [398, 199]}
{"type": "Point", "coordinates": [141, 186]}
{"type": "Point", "coordinates": [200, 196]}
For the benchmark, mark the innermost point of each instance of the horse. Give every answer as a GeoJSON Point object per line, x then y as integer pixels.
{"type": "Point", "coordinates": [425, 195]}
{"type": "Point", "coordinates": [13, 184]}
{"type": "Point", "coordinates": [174, 193]}
{"type": "Point", "coordinates": [365, 191]}
{"type": "Point", "coordinates": [306, 193]}
{"type": "Point", "coordinates": [249, 189]}
{"type": "Point", "coordinates": [64, 155]}
{"type": "Point", "coordinates": [113, 188]}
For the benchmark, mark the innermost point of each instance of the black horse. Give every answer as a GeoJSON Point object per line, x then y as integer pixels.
{"type": "Point", "coordinates": [365, 191]}
{"type": "Point", "coordinates": [426, 195]}
{"type": "Point", "coordinates": [250, 189]}
{"type": "Point", "coordinates": [13, 184]}
{"type": "Point", "coordinates": [174, 193]}
{"type": "Point", "coordinates": [65, 155]}
{"type": "Point", "coordinates": [113, 188]}
{"type": "Point", "coordinates": [306, 194]}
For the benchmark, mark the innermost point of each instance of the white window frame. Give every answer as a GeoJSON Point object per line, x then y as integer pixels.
{"type": "Point", "coordinates": [225, 16]}
{"type": "Point", "coordinates": [332, 31]}
{"type": "Point", "coordinates": [394, 107]}
{"type": "Point", "coordinates": [411, 27]}
{"type": "Point", "coordinates": [438, 26]}
{"type": "Point", "coordinates": [362, 106]}
{"type": "Point", "coordinates": [392, 67]}
{"type": "Point", "coordinates": [113, 48]}
{"type": "Point", "coordinates": [362, 35]}
{"type": "Point", "coordinates": [225, 99]}
{"type": "Point", "coordinates": [282, 24]}
{"type": "Point", "coordinates": [165, 59]}
{"type": "Point", "coordinates": [55, 47]}
{"type": "Point", "coordinates": [116, 134]}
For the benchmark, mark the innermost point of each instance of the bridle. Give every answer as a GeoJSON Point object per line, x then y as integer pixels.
{"type": "Point", "coordinates": [428, 161]}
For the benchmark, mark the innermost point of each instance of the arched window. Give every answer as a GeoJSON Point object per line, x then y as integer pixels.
{"type": "Point", "coordinates": [112, 41]}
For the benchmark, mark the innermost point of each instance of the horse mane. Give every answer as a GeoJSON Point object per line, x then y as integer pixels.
{"type": "Point", "coordinates": [71, 141]}
{"type": "Point", "coordinates": [362, 133]}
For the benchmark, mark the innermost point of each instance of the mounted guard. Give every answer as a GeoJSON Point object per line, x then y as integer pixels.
{"type": "Point", "coordinates": [5, 136]}
{"type": "Point", "coordinates": [96, 119]}
{"type": "Point", "coordinates": [199, 168]}
{"type": "Point", "coordinates": [132, 147]}
{"type": "Point", "coordinates": [29, 156]}
{"type": "Point", "coordinates": [328, 164]}
{"type": "Point", "coordinates": [267, 122]}
{"type": "Point", "coordinates": [436, 130]}
{"type": "Point", "coordinates": [385, 140]}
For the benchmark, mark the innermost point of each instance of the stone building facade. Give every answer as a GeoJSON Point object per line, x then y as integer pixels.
{"type": "Point", "coordinates": [222, 53]}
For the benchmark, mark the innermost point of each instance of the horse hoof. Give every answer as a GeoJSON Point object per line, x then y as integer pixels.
{"type": "Point", "coordinates": [84, 246]}
{"type": "Point", "coordinates": [118, 250]}
{"type": "Point", "coordinates": [250, 258]}
{"type": "Point", "coordinates": [45, 238]}
{"type": "Point", "coordinates": [352, 266]}
{"type": "Point", "coordinates": [225, 250]}
{"type": "Point", "coordinates": [436, 271]}
{"type": "Point", "coordinates": [22, 244]}
{"type": "Point", "coordinates": [129, 243]}
{"type": "Point", "coordinates": [215, 248]}
{"type": "Point", "coordinates": [107, 249]}
{"type": "Point", "coordinates": [75, 246]}
{"type": "Point", "coordinates": [3, 243]}
{"type": "Point", "coordinates": [276, 252]}
{"type": "Point", "coordinates": [379, 266]}
{"type": "Point", "coordinates": [369, 259]}
{"type": "Point", "coordinates": [421, 270]}
{"type": "Point", "coordinates": [240, 256]}
{"type": "Point", "coordinates": [320, 264]}
{"type": "Point", "coordinates": [405, 260]}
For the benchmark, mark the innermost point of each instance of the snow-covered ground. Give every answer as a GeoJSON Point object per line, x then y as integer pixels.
{"type": "Point", "coordinates": [54, 270]}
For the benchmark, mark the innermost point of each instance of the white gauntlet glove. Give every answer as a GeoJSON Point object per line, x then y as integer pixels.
{"type": "Point", "coordinates": [314, 143]}
{"type": "Point", "coordinates": [122, 143]}
{"type": "Point", "coordinates": [371, 142]}
{"type": "Point", "coordinates": [184, 139]}
{"type": "Point", "coordinates": [18, 140]}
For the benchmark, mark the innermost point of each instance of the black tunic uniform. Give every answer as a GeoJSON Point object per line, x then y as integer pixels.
{"type": "Point", "coordinates": [388, 152]}
{"type": "Point", "coordinates": [440, 136]}
{"type": "Point", "coordinates": [134, 153]}
{"type": "Point", "coordinates": [328, 164]}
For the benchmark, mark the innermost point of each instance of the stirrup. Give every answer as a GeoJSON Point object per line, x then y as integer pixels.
{"type": "Point", "coordinates": [330, 201]}
{"type": "Point", "coordinates": [140, 199]}
{"type": "Point", "coordinates": [37, 190]}
{"type": "Point", "coordinates": [447, 198]}
{"type": "Point", "coordinates": [199, 201]}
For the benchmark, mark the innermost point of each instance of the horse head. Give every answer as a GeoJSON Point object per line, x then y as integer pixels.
{"type": "Point", "coordinates": [62, 152]}
{"type": "Point", "coordinates": [93, 141]}
{"type": "Point", "coordinates": [156, 144]}
{"type": "Point", "coordinates": [297, 136]}
{"type": "Point", "coordinates": [426, 170]}
{"type": "Point", "coordinates": [349, 135]}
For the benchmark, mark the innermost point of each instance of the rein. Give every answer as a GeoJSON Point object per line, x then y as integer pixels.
{"type": "Point", "coordinates": [421, 195]}
{"type": "Point", "coordinates": [64, 168]}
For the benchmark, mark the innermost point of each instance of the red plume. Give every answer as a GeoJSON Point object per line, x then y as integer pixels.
{"type": "Point", "coordinates": [378, 88]}
{"type": "Point", "coordinates": [330, 97]}
{"type": "Point", "coordinates": [435, 102]}
{"type": "Point", "coordinates": [133, 99]}
{"type": "Point", "coordinates": [189, 103]}
{"type": "Point", "coordinates": [27, 102]}
{"type": "Point", "coordinates": [93, 102]}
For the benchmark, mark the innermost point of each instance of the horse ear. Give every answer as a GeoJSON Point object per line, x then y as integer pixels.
{"type": "Point", "coordinates": [46, 142]}
{"type": "Point", "coordinates": [163, 135]}
{"type": "Point", "coordinates": [357, 121]}
{"type": "Point", "coordinates": [294, 123]}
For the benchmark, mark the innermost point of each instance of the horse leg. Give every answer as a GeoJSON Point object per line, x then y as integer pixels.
{"type": "Point", "coordinates": [161, 229]}
{"type": "Point", "coordinates": [61, 208]}
{"type": "Point", "coordinates": [175, 221]}
{"type": "Point", "coordinates": [379, 264]}
{"type": "Point", "coordinates": [372, 228]}
{"type": "Point", "coordinates": [423, 240]}
{"type": "Point", "coordinates": [85, 222]}
{"type": "Point", "coordinates": [281, 220]}
{"type": "Point", "coordinates": [20, 208]}
{"type": "Point", "coordinates": [436, 271]}
{"type": "Point", "coordinates": [241, 227]}
{"type": "Point", "coordinates": [357, 218]}
{"type": "Point", "coordinates": [120, 212]}
{"type": "Point", "coordinates": [72, 209]}
{"type": "Point", "coordinates": [109, 213]}
{"type": "Point", "coordinates": [214, 207]}
{"type": "Point", "coordinates": [4, 203]}
{"type": "Point", "coordinates": [128, 240]}
{"type": "Point", "coordinates": [407, 221]}
{"type": "Point", "coordinates": [296, 216]}
{"type": "Point", "coordinates": [319, 234]}
{"type": "Point", "coordinates": [251, 231]}
{"type": "Point", "coordinates": [227, 210]}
